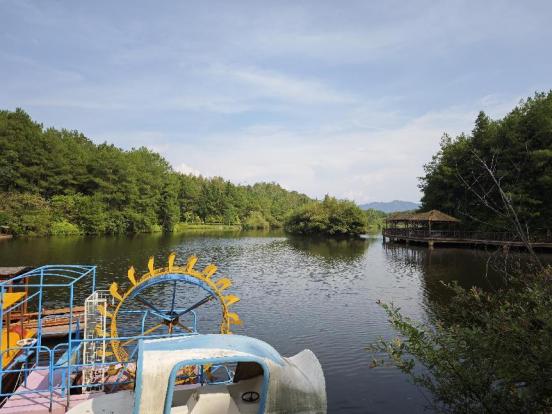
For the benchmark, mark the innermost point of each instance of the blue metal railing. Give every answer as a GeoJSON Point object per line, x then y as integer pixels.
{"type": "Point", "coordinates": [35, 283]}
{"type": "Point", "coordinates": [60, 371]}
{"type": "Point", "coordinates": [64, 360]}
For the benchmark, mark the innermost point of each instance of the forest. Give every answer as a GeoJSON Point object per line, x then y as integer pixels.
{"type": "Point", "coordinates": [517, 149]}
{"type": "Point", "coordinates": [59, 182]}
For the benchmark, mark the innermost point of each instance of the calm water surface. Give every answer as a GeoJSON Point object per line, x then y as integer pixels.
{"type": "Point", "coordinates": [297, 294]}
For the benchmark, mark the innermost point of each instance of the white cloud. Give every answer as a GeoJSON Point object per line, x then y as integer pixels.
{"type": "Point", "coordinates": [322, 98]}
{"type": "Point", "coordinates": [364, 164]}
{"type": "Point", "coordinates": [186, 169]}
{"type": "Point", "coordinates": [272, 84]}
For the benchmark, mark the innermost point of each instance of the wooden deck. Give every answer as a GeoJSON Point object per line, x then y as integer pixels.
{"type": "Point", "coordinates": [461, 238]}
{"type": "Point", "coordinates": [55, 322]}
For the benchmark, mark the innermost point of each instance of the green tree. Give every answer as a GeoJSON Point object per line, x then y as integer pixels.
{"type": "Point", "coordinates": [488, 352]}
{"type": "Point", "coordinates": [330, 217]}
{"type": "Point", "coordinates": [256, 220]}
{"type": "Point", "coordinates": [103, 189]}
{"type": "Point", "coordinates": [517, 148]}
{"type": "Point", "coordinates": [25, 213]}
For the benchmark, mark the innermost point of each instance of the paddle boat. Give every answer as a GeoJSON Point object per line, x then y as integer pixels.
{"type": "Point", "coordinates": [141, 349]}
{"type": "Point", "coordinates": [257, 379]}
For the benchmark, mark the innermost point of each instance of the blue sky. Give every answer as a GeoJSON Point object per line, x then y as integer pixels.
{"type": "Point", "coordinates": [347, 98]}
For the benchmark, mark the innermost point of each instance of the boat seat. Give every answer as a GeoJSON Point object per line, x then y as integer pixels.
{"type": "Point", "coordinates": [223, 398]}
{"type": "Point", "coordinates": [208, 401]}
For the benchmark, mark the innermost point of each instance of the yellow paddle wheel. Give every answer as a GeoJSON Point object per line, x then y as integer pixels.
{"type": "Point", "coordinates": [168, 308]}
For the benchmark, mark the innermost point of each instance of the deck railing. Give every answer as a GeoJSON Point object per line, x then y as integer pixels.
{"type": "Point", "coordinates": [461, 235]}
{"type": "Point", "coordinates": [63, 361]}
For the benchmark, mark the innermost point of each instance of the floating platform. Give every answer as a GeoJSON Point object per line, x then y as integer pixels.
{"type": "Point", "coordinates": [459, 238]}
{"type": "Point", "coordinates": [437, 228]}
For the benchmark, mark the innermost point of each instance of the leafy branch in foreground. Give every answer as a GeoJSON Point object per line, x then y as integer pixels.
{"type": "Point", "coordinates": [491, 355]}
{"type": "Point", "coordinates": [490, 351]}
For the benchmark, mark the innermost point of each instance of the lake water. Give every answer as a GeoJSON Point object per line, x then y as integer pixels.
{"type": "Point", "coordinates": [296, 294]}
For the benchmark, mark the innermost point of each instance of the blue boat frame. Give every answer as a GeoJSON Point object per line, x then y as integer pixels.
{"type": "Point", "coordinates": [39, 281]}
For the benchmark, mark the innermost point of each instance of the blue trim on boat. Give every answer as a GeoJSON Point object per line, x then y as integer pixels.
{"type": "Point", "coordinates": [138, 382]}
{"type": "Point", "coordinates": [238, 343]}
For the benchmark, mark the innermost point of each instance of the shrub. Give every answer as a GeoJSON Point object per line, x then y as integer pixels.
{"type": "Point", "coordinates": [27, 214]}
{"type": "Point", "coordinates": [157, 228]}
{"type": "Point", "coordinates": [64, 228]}
{"type": "Point", "coordinates": [490, 352]}
{"type": "Point", "coordinates": [330, 217]}
{"type": "Point", "coordinates": [256, 221]}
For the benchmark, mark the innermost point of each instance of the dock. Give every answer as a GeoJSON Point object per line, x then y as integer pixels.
{"type": "Point", "coordinates": [455, 238]}
{"type": "Point", "coordinates": [7, 273]}
{"type": "Point", "coordinates": [5, 233]}
{"type": "Point", "coordinates": [435, 228]}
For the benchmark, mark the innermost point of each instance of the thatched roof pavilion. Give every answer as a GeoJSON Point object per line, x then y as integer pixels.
{"type": "Point", "coordinates": [424, 219]}
{"type": "Point", "coordinates": [435, 216]}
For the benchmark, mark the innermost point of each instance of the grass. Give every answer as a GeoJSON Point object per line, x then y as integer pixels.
{"type": "Point", "coordinates": [185, 227]}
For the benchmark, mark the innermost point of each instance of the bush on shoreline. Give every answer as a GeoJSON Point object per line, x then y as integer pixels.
{"type": "Point", "coordinates": [331, 217]}
{"type": "Point", "coordinates": [256, 221]}
{"type": "Point", "coordinates": [64, 228]}
{"type": "Point", "coordinates": [491, 353]}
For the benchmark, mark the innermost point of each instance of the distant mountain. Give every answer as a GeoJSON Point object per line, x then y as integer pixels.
{"type": "Point", "coordinates": [391, 206]}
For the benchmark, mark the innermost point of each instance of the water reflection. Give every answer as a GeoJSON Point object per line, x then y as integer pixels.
{"type": "Point", "coordinates": [332, 248]}
{"type": "Point", "coordinates": [296, 293]}
{"type": "Point", "coordinates": [468, 267]}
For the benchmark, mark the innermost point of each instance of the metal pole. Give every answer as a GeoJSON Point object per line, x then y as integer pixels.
{"type": "Point", "coordinates": [51, 378]}
{"type": "Point", "coordinates": [1, 334]}
{"type": "Point", "coordinates": [39, 320]}
{"type": "Point", "coordinates": [93, 279]}
{"type": "Point", "coordinates": [70, 356]}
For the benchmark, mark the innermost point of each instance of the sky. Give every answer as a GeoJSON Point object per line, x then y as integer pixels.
{"type": "Point", "coordinates": [348, 98]}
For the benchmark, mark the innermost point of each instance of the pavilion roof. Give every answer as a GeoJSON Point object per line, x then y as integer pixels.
{"type": "Point", "coordinates": [432, 215]}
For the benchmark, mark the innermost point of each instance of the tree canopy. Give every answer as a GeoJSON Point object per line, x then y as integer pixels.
{"type": "Point", "coordinates": [331, 217]}
{"type": "Point", "coordinates": [60, 182]}
{"type": "Point", "coordinates": [518, 148]}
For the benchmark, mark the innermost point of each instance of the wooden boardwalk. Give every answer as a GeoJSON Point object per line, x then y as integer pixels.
{"type": "Point", "coordinates": [461, 238]}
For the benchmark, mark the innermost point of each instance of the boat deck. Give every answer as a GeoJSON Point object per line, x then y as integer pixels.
{"type": "Point", "coordinates": [55, 322]}
{"type": "Point", "coordinates": [39, 402]}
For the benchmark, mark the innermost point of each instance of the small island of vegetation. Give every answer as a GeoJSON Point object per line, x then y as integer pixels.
{"type": "Point", "coordinates": [330, 217]}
